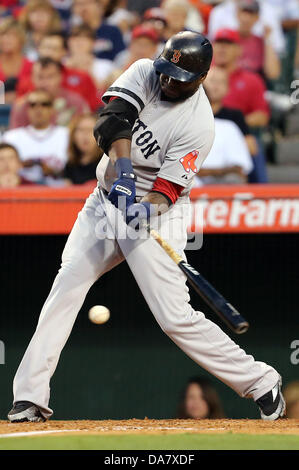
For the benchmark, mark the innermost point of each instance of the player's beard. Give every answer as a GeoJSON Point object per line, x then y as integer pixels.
{"type": "Point", "coordinates": [182, 97]}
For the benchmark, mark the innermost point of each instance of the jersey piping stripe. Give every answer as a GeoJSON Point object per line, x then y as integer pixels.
{"type": "Point", "coordinates": [129, 93]}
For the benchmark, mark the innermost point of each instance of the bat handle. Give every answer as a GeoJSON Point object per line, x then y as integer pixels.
{"type": "Point", "coordinates": [242, 328]}
{"type": "Point", "coordinates": [239, 324]}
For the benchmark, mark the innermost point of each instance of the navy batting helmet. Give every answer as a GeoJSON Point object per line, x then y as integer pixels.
{"type": "Point", "coordinates": [185, 57]}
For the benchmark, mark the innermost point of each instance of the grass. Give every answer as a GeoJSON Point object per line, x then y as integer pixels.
{"type": "Point", "coordinates": [227, 441]}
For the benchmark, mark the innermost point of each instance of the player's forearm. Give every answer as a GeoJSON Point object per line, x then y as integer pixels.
{"type": "Point", "coordinates": [159, 202]}
{"type": "Point", "coordinates": [120, 148]}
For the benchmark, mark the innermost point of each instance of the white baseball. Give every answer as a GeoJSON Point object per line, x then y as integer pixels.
{"type": "Point", "coordinates": [99, 314]}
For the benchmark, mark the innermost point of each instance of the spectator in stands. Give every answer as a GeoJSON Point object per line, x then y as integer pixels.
{"type": "Point", "coordinates": [224, 16]}
{"type": "Point", "coordinates": [63, 7]}
{"type": "Point", "coordinates": [47, 74]}
{"type": "Point", "coordinates": [144, 44]}
{"type": "Point", "coordinates": [287, 11]}
{"type": "Point", "coordinates": [229, 160]}
{"type": "Point", "coordinates": [42, 146]}
{"type": "Point", "coordinates": [10, 167]}
{"type": "Point", "coordinates": [84, 154]}
{"type": "Point", "coordinates": [204, 9]}
{"type": "Point", "coordinates": [140, 5]}
{"type": "Point", "coordinates": [54, 46]}
{"type": "Point", "coordinates": [10, 7]}
{"type": "Point", "coordinates": [246, 89]}
{"type": "Point", "coordinates": [216, 87]}
{"type": "Point", "coordinates": [258, 54]}
{"type": "Point", "coordinates": [80, 46]}
{"type": "Point", "coordinates": [12, 40]}
{"type": "Point", "coordinates": [117, 14]}
{"type": "Point", "coordinates": [181, 15]}
{"type": "Point", "coordinates": [288, 14]}
{"type": "Point", "coordinates": [155, 18]}
{"type": "Point", "coordinates": [38, 18]}
{"type": "Point", "coordinates": [200, 400]}
{"type": "Point", "coordinates": [246, 93]}
{"type": "Point", "coordinates": [291, 394]}
{"type": "Point", "coordinates": [176, 13]}
{"type": "Point", "coordinates": [109, 41]}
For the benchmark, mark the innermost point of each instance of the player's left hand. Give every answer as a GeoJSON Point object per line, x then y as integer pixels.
{"type": "Point", "coordinates": [139, 214]}
{"type": "Point", "coordinates": [123, 190]}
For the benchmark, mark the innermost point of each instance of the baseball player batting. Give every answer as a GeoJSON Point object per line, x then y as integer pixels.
{"type": "Point", "coordinates": [156, 130]}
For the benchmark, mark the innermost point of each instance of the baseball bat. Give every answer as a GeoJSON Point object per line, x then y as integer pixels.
{"type": "Point", "coordinates": [207, 292]}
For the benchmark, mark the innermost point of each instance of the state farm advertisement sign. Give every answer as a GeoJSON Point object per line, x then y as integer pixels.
{"type": "Point", "coordinates": [215, 209]}
{"type": "Point", "coordinates": [245, 209]}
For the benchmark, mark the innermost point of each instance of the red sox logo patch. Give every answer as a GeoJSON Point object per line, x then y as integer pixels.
{"type": "Point", "coordinates": [188, 161]}
{"type": "Point", "coordinates": [176, 56]}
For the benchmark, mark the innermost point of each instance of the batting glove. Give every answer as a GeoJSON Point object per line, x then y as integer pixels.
{"type": "Point", "coordinates": [123, 191]}
{"type": "Point", "coordinates": [139, 214]}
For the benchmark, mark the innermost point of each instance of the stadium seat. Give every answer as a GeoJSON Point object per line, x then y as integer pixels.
{"type": "Point", "coordinates": [4, 115]}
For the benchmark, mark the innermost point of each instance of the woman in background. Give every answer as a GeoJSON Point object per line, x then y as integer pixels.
{"type": "Point", "coordinates": [38, 18]}
{"type": "Point", "coordinates": [84, 154]}
{"type": "Point", "coordinates": [117, 14]}
{"type": "Point", "coordinates": [12, 40]}
{"type": "Point", "coordinates": [80, 55]}
{"type": "Point", "coordinates": [200, 401]}
{"type": "Point", "coordinates": [291, 393]}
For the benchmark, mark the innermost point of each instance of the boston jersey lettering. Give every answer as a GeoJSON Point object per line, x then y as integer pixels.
{"type": "Point", "coordinates": [145, 140]}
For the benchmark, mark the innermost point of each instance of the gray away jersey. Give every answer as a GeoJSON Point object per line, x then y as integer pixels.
{"type": "Point", "coordinates": [170, 140]}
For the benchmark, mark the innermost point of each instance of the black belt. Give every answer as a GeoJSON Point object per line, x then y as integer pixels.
{"type": "Point", "coordinates": [104, 190]}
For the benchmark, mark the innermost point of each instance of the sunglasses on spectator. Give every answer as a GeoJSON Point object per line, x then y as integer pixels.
{"type": "Point", "coordinates": [44, 104]}
{"type": "Point", "coordinates": [248, 10]}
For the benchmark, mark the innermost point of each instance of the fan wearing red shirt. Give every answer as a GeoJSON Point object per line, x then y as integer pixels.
{"type": "Point", "coordinates": [47, 75]}
{"type": "Point", "coordinates": [258, 54]}
{"type": "Point", "coordinates": [10, 7]}
{"type": "Point", "coordinates": [246, 89]}
{"type": "Point", "coordinates": [12, 39]}
{"type": "Point", "coordinates": [53, 45]}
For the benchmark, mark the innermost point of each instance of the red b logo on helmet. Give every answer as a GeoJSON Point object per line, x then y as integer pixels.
{"type": "Point", "coordinates": [176, 56]}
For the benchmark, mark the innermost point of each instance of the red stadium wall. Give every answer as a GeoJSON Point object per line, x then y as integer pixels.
{"type": "Point", "coordinates": [216, 209]}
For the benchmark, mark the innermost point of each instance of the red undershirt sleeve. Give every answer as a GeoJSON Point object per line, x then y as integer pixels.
{"type": "Point", "coordinates": [170, 190]}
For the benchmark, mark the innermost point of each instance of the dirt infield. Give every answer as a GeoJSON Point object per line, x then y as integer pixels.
{"type": "Point", "coordinates": [150, 426]}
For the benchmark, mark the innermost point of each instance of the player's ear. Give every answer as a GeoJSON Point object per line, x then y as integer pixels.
{"type": "Point", "coordinates": [203, 78]}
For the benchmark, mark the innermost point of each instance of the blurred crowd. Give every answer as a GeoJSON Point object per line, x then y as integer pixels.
{"type": "Point", "coordinates": [57, 57]}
